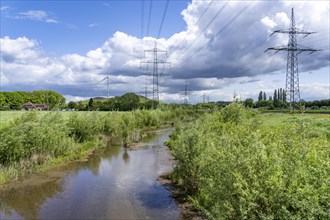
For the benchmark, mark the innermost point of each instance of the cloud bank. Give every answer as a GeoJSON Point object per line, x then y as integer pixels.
{"type": "Point", "coordinates": [223, 44]}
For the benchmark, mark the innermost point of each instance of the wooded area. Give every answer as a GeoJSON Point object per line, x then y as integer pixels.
{"type": "Point", "coordinates": [15, 100]}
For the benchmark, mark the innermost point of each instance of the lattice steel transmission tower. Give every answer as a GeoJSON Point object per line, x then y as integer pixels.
{"type": "Point", "coordinates": [292, 76]}
{"type": "Point", "coordinates": [158, 66]}
{"type": "Point", "coordinates": [185, 94]}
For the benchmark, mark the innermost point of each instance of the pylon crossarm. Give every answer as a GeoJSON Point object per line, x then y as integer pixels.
{"type": "Point", "coordinates": [292, 31]}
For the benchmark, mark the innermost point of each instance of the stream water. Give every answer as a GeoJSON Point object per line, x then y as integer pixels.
{"type": "Point", "coordinates": [113, 184]}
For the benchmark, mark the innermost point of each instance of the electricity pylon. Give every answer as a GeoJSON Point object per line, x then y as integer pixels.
{"type": "Point", "coordinates": [206, 97]}
{"type": "Point", "coordinates": [156, 71]}
{"type": "Point", "coordinates": [185, 94]}
{"type": "Point", "coordinates": [292, 76]}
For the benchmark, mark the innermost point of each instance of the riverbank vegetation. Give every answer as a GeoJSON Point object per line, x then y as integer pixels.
{"type": "Point", "coordinates": [238, 164]}
{"type": "Point", "coordinates": [38, 140]}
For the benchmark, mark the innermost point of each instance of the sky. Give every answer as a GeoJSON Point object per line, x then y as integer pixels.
{"type": "Point", "coordinates": [216, 48]}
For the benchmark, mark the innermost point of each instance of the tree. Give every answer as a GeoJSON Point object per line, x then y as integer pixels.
{"type": "Point", "coordinates": [128, 102]}
{"type": "Point", "coordinates": [284, 96]}
{"type": "Point", "coordinates": [81, 106]}
{"type": "Point", "coordinates": [275, 95]}
{"type": "Point", "coordinates": [248, 103]}
{"type": "Point", "coordinates": [72, 105]}
{"type": "Point", "coordinates": [260, 96]}
{"type": "Point", "coordinates": [90, 104]}
{"type": "Point", "coordinates": [264, 97]}
{"type": "Point", "coordinates": [280, 95]}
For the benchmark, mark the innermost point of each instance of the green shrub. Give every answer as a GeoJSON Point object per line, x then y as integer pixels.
{"type": "Point", "coordinates": [235, 168]}
{"type": "Point", "coordinates": [84, 126]}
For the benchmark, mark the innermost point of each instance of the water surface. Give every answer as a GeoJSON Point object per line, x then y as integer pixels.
{"type": "Point", "coordinates": [114, 184]}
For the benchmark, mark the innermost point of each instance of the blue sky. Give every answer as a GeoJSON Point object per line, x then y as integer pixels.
{"type": "Point", "coordinates": [215, 47]}
{"type": "Point", "coordinates": [83, 25]}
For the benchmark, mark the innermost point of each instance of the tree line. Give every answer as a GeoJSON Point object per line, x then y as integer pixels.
{"type": "Point", "coordinates": [15, 100]}
{"type": "Point", "coordinates": [126, 102]}
{"type": "Point", "coordinates": [279, 101]}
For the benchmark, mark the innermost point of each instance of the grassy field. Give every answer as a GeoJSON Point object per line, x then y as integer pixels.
{"type": "Point", "coordinates": [269, 119]}
{"type": "Point", "coordinates": [7, 116]}
{"type": "Point", "coordinates": [322, 121]}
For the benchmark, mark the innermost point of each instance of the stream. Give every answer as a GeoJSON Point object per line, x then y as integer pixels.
{"type": "Point", "coordinates": [115, 183]}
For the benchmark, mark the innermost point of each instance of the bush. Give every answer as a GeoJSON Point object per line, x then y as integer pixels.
{"type": "Point", "coordinates": [235, 168]}
{"type": "Point", "coordinates": [84, 126]}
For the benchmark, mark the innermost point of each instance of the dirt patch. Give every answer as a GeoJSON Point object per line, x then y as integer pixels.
{"type": "Point", "coordinates": [187, 210]}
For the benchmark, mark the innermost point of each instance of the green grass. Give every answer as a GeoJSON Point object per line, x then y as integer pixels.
{"type": "Point", "coordinates": [322, 121]}
{"type": "Point", "coordinates": [7, 116]}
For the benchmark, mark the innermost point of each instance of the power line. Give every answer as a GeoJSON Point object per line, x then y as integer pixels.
{"type": "Point", "coordinates": [163, 18]}
{"type": "Point", "coordinates": [200, 18]}
{"type": "Point", "coordinates": [204, 12]}
{"type": "Point", "coordinates": [219, 32]}
{"type": "Point", "coordinates": [149, 19]}
{"type": "Point", "coordinates": [206, 27]}
{"type": "Point", "coordinates": [142, 18]}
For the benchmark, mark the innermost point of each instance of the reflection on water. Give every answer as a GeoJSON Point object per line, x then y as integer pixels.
{"type": "Point", "coordinates": [126, 156]}
{"type": "Point", "coordinates": [115, 183]}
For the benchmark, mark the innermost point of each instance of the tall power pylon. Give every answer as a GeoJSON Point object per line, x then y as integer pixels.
{"type": "Point", "coordinates": [185, 94]}
{"type": "Point", "coordinates": [155, 62]}
{"type": "Point", "coordinates": [292, 76]}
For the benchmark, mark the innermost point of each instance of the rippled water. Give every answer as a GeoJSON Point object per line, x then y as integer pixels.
{"type": "Point", "coordinates": [114, 184]}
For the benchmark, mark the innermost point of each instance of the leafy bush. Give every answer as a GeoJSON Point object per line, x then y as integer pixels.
{"type": "Point", "coordinates": [235, 168]}
{"type": "Point", "coordinates": [84, 126]}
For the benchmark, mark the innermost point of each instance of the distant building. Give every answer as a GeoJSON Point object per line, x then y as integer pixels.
{"type": "Point", "coordinates": [31, 106]}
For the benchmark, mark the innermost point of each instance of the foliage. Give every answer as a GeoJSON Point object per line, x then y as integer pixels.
{"type": "Point", "coordinates": [90, 104]}
{"type": "Point", "coordinates": [126, 102]}
{"type": "Point", "coordinates": [248, 102]}
{"type": "Point", "coordinates": [72, 105]}
{"type": "Point", "coordinates": [16, 99]}
{"type": "Point", "coordinates": [36, 137]}
{"type": "Point", "coordinates": [235, 167]}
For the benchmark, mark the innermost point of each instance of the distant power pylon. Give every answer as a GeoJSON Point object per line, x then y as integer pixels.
{"type": "Point", "coordinates": [185, 94]}
{"type": "Point", "coordinates": [292, 76]}
{"type": "Point", "coordinates": [155, 62]}
{"type": "Point", "coordinates": [206, 98]}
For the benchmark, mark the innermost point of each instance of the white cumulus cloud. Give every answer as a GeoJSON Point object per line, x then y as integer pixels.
{"type": "Point", "coordinates": [222, 45]}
